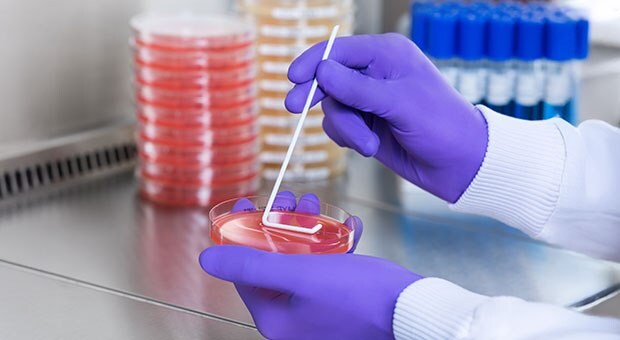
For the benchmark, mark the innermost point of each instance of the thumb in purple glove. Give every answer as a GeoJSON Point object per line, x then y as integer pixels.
{"type": "Point", "coordinates": [341, 296]}
{"type": "Point", "coordinates": [384, 98]}
{"type": "Point", "coordinates": [308, 203]}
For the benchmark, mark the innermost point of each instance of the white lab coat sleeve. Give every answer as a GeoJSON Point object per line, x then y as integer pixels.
{"type": "Point", "coordinates": [553, 181]}
{"type": "Point", "coordinates": [433, 308]}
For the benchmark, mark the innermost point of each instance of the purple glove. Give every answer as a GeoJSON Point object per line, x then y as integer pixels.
{"type": "Point", "coordinates": [308, 203]}
{"type": "Point", "coordinates": [384, 98]}
{"type": "Point", "coordinates": [341, 296]}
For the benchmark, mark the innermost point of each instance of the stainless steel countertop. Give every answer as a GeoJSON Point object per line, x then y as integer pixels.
{"type": "Point", "coordinates": [39, 306]}
{"type": "Point", "coordinates": [124, 254]}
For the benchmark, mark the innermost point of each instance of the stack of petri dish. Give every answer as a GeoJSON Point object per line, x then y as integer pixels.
{"type": "Point", "coordinates": [285, 28]}
{"type": "Point", "coordinates": [197, 130]}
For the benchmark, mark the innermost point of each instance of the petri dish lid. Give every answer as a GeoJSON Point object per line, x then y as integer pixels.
{"type": "Point", "coordinates": [197, 136]}
{"type": "Point", "coordinates": [192, 60]}
{"type": "Point", "coordinates": [191, 31]}
{"type": "Point", "coordinates": [196, 99]}
{"type": "Point", "coordinates": [188, 118]}
{"type": "Point", "coordinates": [285, 10]}
{"type": "Point", "coordinates": [198, 155]}
{"type": "Point", "coordinates": [198, 175]}
{"type": "Point", "coordinates": [194, 79]}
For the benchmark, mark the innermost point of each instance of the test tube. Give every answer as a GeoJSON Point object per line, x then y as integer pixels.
{"type": "Point", "coordinates": [420, 15]}
{"type": "Point", "coordinates": [529, 66]}
{"type": "Point", "coordinates": [470, 46]}
{"type": "Point", "coordinates": [441, 44]}
{"type": "Point", "coordinates": [501, 78]}
{"type": "Point", "coordinates": [560, 38]}
{"type": "Point", "coordinates": [582, 49]}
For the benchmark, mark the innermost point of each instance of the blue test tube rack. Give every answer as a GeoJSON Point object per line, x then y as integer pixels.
{"type": "Point", "coordinates": [522, 60]}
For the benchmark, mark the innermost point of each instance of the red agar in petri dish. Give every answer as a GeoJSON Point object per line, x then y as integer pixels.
{"type": "Point", "coordinates": [198, 155]}
{"type": "Point", "coordinates": [197, 118]}
{"type": "Point", "coordinates": [197, 174]}
{"type": "Point", "coordinates": [245, 228]}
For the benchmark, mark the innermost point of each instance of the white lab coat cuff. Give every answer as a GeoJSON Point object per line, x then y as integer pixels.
{"type": "Point", "coordinates": [520, 178]}
{"type": "Point", "coordinates": [433, 308]}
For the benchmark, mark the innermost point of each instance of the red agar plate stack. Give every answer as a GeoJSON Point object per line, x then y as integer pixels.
{"type": "Point", "coordinates": [195, 95]}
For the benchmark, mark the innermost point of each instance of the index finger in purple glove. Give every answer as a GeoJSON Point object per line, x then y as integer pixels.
{"type": "Point", "coordinates": [304, 69]}
{"type": "Point", "coordinates": [349, 86]}
{"type": "Point", "coordinates": [246, 266]}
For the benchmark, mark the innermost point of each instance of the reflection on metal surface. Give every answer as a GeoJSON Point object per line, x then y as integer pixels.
{"type": "Point", "coordinates": [100, 233]}
{"type": "Point", "coordinates": [42, 307]}
{"type": "Point", "coordinates": [169, 243]}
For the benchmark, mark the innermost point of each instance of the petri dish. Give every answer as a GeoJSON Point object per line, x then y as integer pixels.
{"type": "Point", "coordinates": [321, 154]}
{"type": "Point", "coordinates": [300, 172]}
{"type": "Point", "coordinates": [289, 10]}
{"type": "Point", "coordinates": [193, 195]}
{"type": "Point", "coordinates": [278, 33]}
{"type": "Point", "coordinates": [195, 98]}
{"type": "Point", "coordinates": [195, 79]}
{"type": "Point", "coordinates": [245, 228]}
{"type": "Point", "coordinates": [198, 155]}
{"type": "Point", "coordinates": [186, 32]}
{"type": "Point", "coordinates": [291, 32]}
{"type": "Point", "coordinates": [197, 174]}
{"type": "Point", "coordinates": [285, 121]}
{"type": "Point", "coordinates": [191, 60]}
{"type": "Point", "coordinates": [273, 87]}
{"type": "Point", "coordinates": [317, 139]}
{"type": "Point", "coordinates": [197, 136]}
{"type": "Point", "coordinates": [188, 118]}
{"type": "Point", "coordinates": [312, 134]}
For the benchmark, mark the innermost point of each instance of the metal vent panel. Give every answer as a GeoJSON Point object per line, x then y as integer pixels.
{"type": "Point", "coordinates": [66, 161]}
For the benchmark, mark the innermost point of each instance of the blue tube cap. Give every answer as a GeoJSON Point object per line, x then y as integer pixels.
{"type": "Point", "coordinates": [420, 16]}
{"type": "Point", "coordinates": [451, 7]}
{"type": "Point", "coordinates": [509, 8]}
{"type": "Point", "coordinates": [441, 35]}
{"type": "Point", "coordinates": [529, 36]}
{"type": "Point", "coordinates": [481, 7]}
{"type": "Point", "coordinates": [501, 37]}
{"type": "Point", "coordinates": [471, 36]}
{"type": "Point", "coordinates": [583, 39]}
{"type": "Point", "coordinates": [583, 29]}
{"type": "Point", "coordinates": [560, 37]}
{"type": "Point", "coordinates": [536, 8]}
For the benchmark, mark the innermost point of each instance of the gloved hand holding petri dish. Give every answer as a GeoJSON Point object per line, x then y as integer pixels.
{"type": "Point", "coordinates": [305, 228]}
{"type": "Point", "coordinates": [239, 222]}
